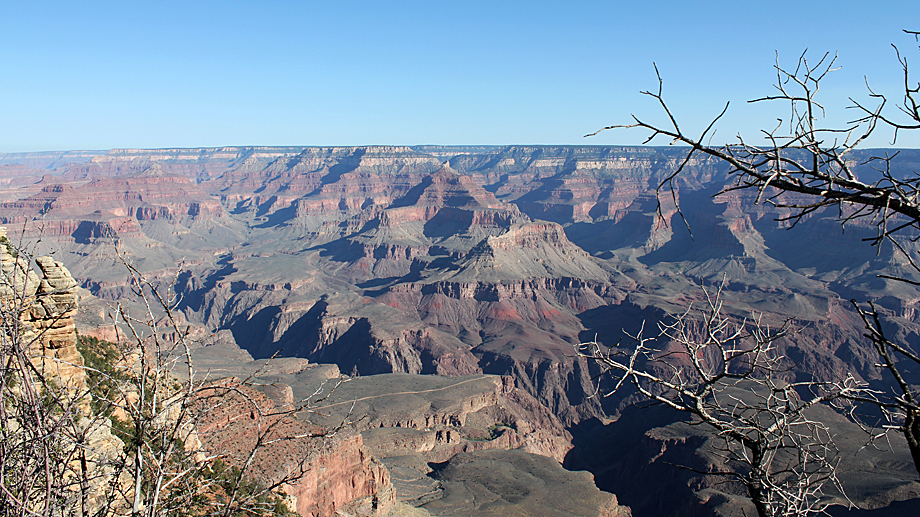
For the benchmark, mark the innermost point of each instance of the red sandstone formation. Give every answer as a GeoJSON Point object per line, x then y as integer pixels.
{"type": "Point", "coordinates": [146, 196]}
{"type": "Point", "coordinates": [322, 180]}
{"type": "Point", "coordinates": [329, 471]}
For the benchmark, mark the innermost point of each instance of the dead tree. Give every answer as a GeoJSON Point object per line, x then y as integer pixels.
{"type": "Point", "coordinates": [815, 164]}
{"type": "Point", "coordinates": [725, 376]}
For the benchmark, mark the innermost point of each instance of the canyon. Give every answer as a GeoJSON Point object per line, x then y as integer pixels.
{"type": "Point", "coordinates": [414, 269]}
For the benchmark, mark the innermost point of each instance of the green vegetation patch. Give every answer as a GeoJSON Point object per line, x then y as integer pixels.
{"type": "Point", "coordinates": [494, 431]}
{"type": "Point", "coordinates": [102, 376]}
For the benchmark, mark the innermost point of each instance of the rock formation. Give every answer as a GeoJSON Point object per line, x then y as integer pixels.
{"type": "Point", "coordinates": [325, 472]}
{"type": "Point", "coordinates": [493, 263]}
{"type": "Point", "coordinates": [328, 474]}
{"type": "Point", "coordinates": [454, 249]}
{"type": "Point", "coordinates": [46, 305]}
{"type": "Point", "coordinates": [149, 195]}
{"type": "Point", "coordinates": [439, 417]}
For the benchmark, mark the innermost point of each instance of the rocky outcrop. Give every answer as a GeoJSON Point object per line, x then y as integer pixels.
{"type": "Point", "coordinates": [439, 417]}
{"type": "Point", "coordinates": [326, 471]}
{"type": "Point", "coordinates": [411, 421]}
{"type": "Point", "coordinates": [52, 317]}
{"type": "Point", "coordinates": [46, 305]}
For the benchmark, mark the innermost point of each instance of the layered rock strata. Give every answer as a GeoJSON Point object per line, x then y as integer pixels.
{"type": "Point", "coordinates": [46, 305]}
{"type": "Point", "coordinates": [327, 472]}
{"type": "Point", "coordinates": [440, 417]}
{"type": "Point", "coordinates": [149, 195]}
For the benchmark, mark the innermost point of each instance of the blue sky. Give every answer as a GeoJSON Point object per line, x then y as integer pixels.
{"type": "Point", "coordinates": [100, 75]}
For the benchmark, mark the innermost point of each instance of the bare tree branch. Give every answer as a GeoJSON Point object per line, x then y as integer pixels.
{"type": "Point", "coordinates": [724, 374]}
{"type": "Point", "coordinates": [810, 168]}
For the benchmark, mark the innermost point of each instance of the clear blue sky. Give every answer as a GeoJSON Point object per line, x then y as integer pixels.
{"type": "Point", "coordinates": [99, 75]}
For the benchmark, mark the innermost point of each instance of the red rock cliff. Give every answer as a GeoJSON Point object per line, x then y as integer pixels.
{"type": "Point", "coordinates": [325, 471]}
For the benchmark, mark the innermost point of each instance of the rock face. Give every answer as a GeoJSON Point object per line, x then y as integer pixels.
{"type": "Point", "coordinates": [47, 305]}
{"type": "Point", "coordinates": [326, 474]}
{"type": "Point", "coordinates": [158, 221]}
{"type": "Point", "coordinates": [149, 195]}
{"type": "Point", "coordinates": [439, 417]}
{"type": "Point", "coordinates": [330, 182]}
{"type": "Point", "coordinates": [52, 317]}
{"type": "Point", "coordinates": [413, 423]}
